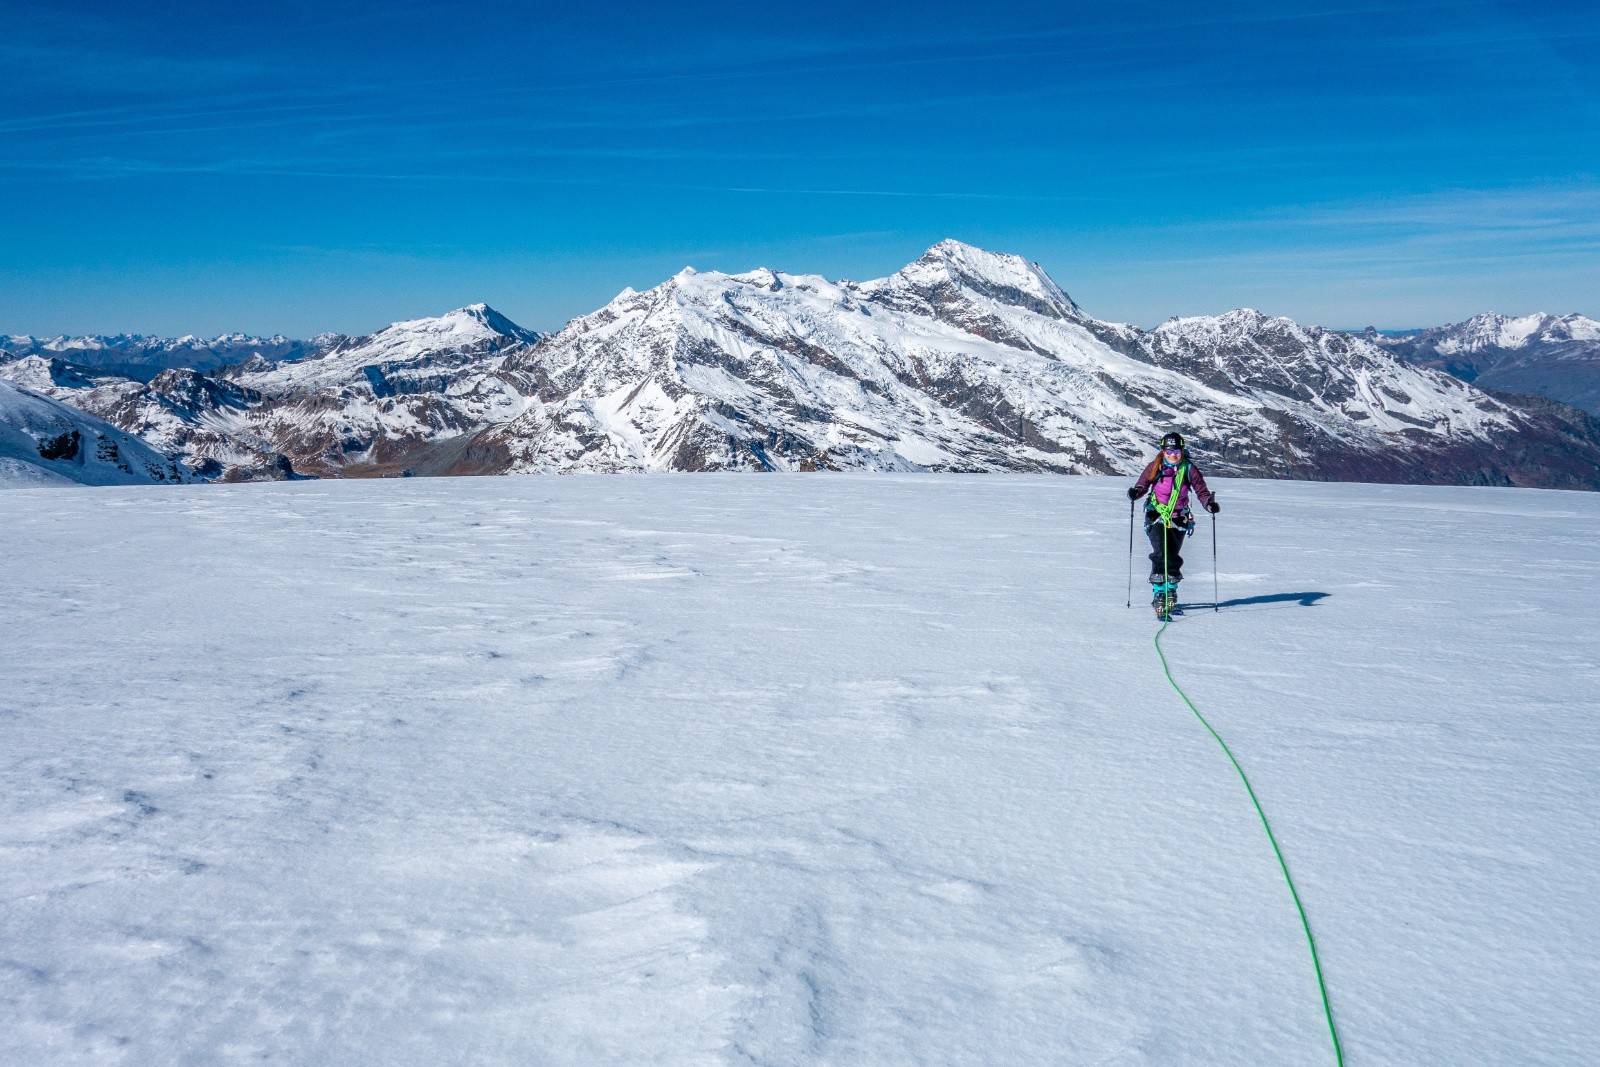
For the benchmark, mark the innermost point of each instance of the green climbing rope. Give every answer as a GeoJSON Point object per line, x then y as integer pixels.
{"type": "Point", "coordinates": [1316, 964]}
{"type": "Point", "coordinates": [1170, 508]}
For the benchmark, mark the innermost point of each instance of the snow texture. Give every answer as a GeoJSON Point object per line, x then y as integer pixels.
{"type": "Point", "coordinates": [839, 769]}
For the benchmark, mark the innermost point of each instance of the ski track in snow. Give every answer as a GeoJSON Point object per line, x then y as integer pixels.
{"type": "Point", "coordinates": [829, 769]}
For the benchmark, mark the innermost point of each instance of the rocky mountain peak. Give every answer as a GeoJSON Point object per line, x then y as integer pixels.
{"type": "Point", "coordinates": [1242, 332]}
{"type": "Point", "coordinates": [194, 393]}
{"type": "Point", "coordinates": [1492, 330]}
{"type": "Point", "coordinates": [497, 322]}
{"type": "Point", "coordinates": [761, 278]}
{"type": "Point", "coordinates": [1008, 279]}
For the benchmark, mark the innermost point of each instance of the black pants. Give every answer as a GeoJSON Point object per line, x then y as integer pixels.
{"type": "Point", "coordinates": [1166, 564]}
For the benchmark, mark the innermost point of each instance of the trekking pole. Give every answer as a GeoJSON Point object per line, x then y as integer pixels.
{"type": "Point", "coordinates": [1215, 605]}
{"type": "Point", "coordinates": [1130, 553]}
{"type": "Point", "coordinates": [1166, 568]}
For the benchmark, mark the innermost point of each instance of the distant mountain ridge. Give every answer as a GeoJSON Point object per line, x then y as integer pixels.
{"type": "Point", "coordinates": [1549, 355]}
{"type": "Point", "coordinates": [142, 358]}
{"type": "Point", "coordinates": [964, 360]}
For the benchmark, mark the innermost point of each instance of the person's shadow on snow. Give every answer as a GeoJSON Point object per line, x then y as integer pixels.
{"type": "Point", "coordinates": [1307, 600]}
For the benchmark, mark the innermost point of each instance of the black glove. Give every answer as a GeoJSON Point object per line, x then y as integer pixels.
{"type": "Point", "coordinates": [1133, 493]}
{"type": "Point", "coordinates": [1212, 506]}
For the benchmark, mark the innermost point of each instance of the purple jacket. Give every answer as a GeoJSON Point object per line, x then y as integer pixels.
{"type": "Point", "coordinates": [1158, 477]}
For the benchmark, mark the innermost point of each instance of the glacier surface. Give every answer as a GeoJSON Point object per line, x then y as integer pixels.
{"type": "Point", "coordinates": [822, 769]}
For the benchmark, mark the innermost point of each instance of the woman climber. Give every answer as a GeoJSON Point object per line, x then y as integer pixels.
{"type": "Point", "coordinates": [1167, 520]}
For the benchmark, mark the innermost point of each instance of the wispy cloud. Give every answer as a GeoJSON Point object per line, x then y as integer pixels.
{"type": "Point", "coordinates": [112, 168]}
{"type": "Point", "coordinates": [1508, 217]}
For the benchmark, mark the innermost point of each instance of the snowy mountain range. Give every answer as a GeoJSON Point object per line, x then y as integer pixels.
{"type": "Point", "coordinates": [1553, 356]}
{"type": "Point", "coordinates": [142, 358]}
{"type": "Point", "coordinates": [965, 360]}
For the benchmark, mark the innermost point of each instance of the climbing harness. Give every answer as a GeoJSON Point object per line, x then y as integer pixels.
{"type": "Point", "coordinates": [1170, 508]}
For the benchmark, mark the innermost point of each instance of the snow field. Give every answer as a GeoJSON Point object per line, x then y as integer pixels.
{"type": "Point", "coordinates": [832, 769]}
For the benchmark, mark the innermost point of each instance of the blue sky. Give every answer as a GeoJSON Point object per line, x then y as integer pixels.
{"type": "Point", "coordinates": [175, 167]}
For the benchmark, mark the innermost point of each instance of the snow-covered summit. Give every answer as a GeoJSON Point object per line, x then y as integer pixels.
{"type": "Point", "coordinates": [1342, 384]}
{"type": "Point", "coordinates": [345, 405]}
{"type": "Point", "coordinates": [1492, 330]}
{"type": "Point", "coordinates": [44, 373]}
{"type": "Point", "coordinates": [466, 325]}
{"type": "Point", "coordinates": [950, 267]}
{"type": "Point", "coordinates": [474, 327]}
{"type": "Point", "coordinates": [464, 335]}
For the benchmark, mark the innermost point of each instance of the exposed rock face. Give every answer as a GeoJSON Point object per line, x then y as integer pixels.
{"type": "Point", "coordinates": [1553, 356]}
{"type": "Point", "coordinates": [965, 360]}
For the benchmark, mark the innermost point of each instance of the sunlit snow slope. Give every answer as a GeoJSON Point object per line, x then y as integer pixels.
{"type": "Point", "coordinates": [832, 769]}
{"type": "Point", "coordinates": [45, 442]}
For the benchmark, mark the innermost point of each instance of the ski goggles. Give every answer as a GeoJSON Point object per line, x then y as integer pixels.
{"type": "Point", "coordinates": [1175, 453]}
